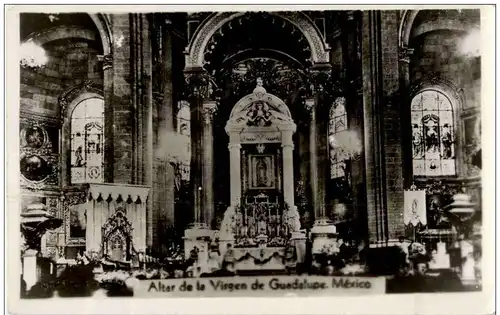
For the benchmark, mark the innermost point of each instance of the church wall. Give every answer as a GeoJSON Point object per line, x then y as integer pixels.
{"type": "Point", "coordinates": [122, 114]}
{"type": "Point", "coordinates": [69, 63]}
{"type": "Point", "coordinates": [383, 153]}
{"type": "Point", "coordinates": [392, 124]}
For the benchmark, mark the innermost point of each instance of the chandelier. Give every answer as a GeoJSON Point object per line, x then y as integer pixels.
{"type": "Point", "coordinates": [32, 55]}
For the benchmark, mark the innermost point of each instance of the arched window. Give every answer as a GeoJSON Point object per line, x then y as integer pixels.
{"type": "Point", "coordinates": [433, 134]}
{"type": "Point", "coordinates": [337, 125]}
{"type": "Point", "coordinates": [87, 141]}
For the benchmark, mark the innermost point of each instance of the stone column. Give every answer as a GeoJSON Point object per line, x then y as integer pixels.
{"type": "Point", "coordinates": [209, 109]}
{"type": "Point", "coordinates": [199, 91]}
{"type": "Point", "coordinates": [405, 54]}
{"type": "Point", "coordinates": [107, 67]}
{"type": "Point", "coordinates": [321, 84]}
{"type": "Point", "coordinates": [198, 84]}
{"type": "Point", "coordinates": [382, 126]}
{"type": "Point", "coordinates": [313, 153]}
{"type": "Point", "coordinates": [288, 181]}
{"type": "Point", "coordinates": [323, 231]}
{"type": "Point", "coordinates": [234, 161]}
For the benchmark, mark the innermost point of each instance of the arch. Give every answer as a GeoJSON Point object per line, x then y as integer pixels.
{"type": "Point", "coordinates": [441, 24]}
{"type": "Point", "coordinates": [406, 26]}
{"type": "Point", "coordinates": [457, 96]}
{"type": "Point", "coordinates": [196, 48]}
{"type": "Point", "coordinates": [101, 23]}
{"type": "Point", "coordinates": [60, 32]}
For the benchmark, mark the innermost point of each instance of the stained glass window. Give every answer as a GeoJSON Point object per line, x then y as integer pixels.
{"type": "Point", "coordinates": [87, 142]}
{"type": "Point", "coordinates": [433, 135]}
{"type": "Point", "coordinates": [337, 125]}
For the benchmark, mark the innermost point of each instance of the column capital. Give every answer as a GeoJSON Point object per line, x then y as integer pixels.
{"type": "Point", "coordinates": [107, 61]}
{"type": "Point", "coordinates": [405, 54]}
{"type": "Point", "coordinates": [209, 109]}
{"type": "Point", "coordinates": [199, 84]}
{"type": "Point", "coordinates": [158, 97]}
{"type": "Point", "coordinates": [234, 146]}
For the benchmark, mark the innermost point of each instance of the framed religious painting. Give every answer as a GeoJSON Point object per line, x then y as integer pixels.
{"type": "Point", "coordinates": [262, 171]}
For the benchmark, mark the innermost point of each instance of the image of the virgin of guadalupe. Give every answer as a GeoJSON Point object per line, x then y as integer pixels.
{"type": "Point", "coordinates": [261, 169]}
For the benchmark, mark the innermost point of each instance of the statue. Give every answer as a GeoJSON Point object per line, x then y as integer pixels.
{"type": "Point", "coordinates": [293, 218]}
{"type": "Point", "coordinates": [228, 224]}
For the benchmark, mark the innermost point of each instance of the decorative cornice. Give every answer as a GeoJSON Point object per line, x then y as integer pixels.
{"type": "Point", "coordinates": [37, 119]}
{"type": "Point", "coordinates": [116, 192]}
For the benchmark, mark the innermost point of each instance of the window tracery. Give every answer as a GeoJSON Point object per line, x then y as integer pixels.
{"type": "Point", "coordinates": [433, 134]}
{"type": "Point", "coordinates": [87, 142]}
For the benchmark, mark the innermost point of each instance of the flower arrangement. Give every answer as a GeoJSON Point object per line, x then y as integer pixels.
{"type": "Point", "coordinates": [353, 269]}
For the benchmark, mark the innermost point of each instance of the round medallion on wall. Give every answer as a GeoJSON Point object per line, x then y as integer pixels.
{"type": "Point", "coordinates": [34, 168]}
{"type": "Point", "coordinates": [94, 172]}
{"type": "Point", "coordinates": [35, 137]}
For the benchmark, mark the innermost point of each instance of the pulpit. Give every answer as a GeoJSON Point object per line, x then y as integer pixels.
{"type": "Point", "coordinates": [262, 218]}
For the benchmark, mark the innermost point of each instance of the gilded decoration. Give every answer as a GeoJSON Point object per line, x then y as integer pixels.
{"type": "Point", "coordinates": [39, 158]}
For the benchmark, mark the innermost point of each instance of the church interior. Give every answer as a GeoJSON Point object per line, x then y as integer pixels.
{"type": "Point", "coordinates": [142, 133]}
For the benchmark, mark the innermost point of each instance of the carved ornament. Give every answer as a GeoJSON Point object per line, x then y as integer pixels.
{"type": "Point", "coordinates": [117, 192]}
{"type": "Point", "coordinates": [209, 109]}
{"type": "Point", "coordinates": [199, 84]}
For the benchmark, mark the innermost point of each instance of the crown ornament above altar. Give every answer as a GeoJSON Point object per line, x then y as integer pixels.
{"type": "Point", "coordinates": [259, 90]}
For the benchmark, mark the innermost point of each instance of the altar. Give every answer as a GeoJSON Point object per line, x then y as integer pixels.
{"type": "Point", "coordinates": [262, 222]}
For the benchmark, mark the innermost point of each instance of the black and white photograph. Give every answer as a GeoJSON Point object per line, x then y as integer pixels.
{"type": "Point", "coordinates": [246, 152]}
